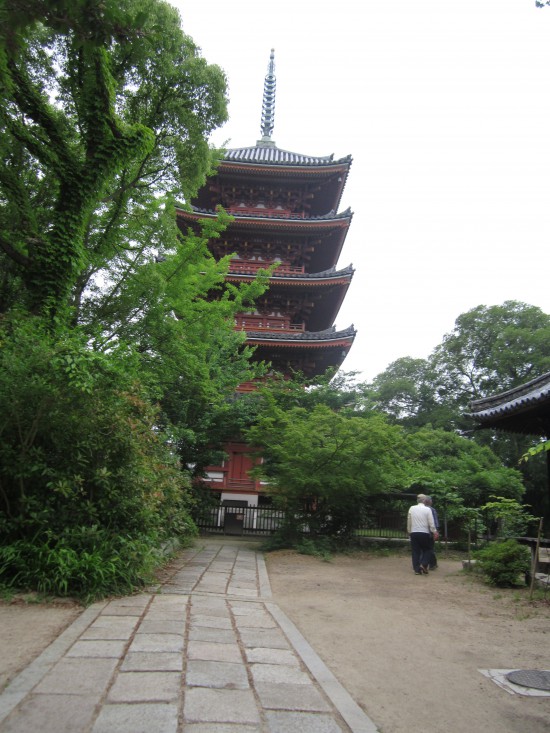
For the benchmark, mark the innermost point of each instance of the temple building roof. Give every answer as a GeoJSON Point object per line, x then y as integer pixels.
{"type": "Point", "coordinates": [524, 409]}
{"type": "Point", "coordinates": [197, 213]}
{"type": "Point", "coordinates": [310, 352]}
{"type": "Point", "coordinates": [254, 164]}
{"type": "Point", "coordinates": [308, 337]}
{"type": "Point", "coordinates": [331, 274]}
{"type": "Point", "coordinates": [276, 156]}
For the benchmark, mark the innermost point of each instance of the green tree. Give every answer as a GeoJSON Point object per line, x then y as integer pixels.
{"type": "Point", "coordinates": [510, 516]}
{"type": "Point", "coordinates": [441, 460]}
{"type": "Point", "coordinates": [492, 349]}
{"type": "Point", "coordinates": [103, 105]}
{"type": "Point", "coordinates": [85, 472]}
{"type": "Point", "coordinates": [328, 461]}
{"type": "Point", "coordinates": [178, 314]}
{"type": "Point", "coordinates": [105, 110]}
{"type": "Point", "coordinates": [407, 391]}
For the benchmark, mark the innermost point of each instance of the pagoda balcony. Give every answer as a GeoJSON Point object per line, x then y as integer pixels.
{"type": "Point", "coordinates": [251, 266]}
{"type": "Point", "coordinates": [267, 323]}
{"type": "Point", "coordinates": [263, 211]}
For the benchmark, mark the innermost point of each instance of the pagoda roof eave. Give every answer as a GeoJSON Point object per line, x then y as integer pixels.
{"type": "Point", "coordinates": [334, 220]}
{"type": "Point", "coordinates": [255, 161]}
{"type": "Point", "coordinates": [335, 277]}
{"type": "Point", "coordinates": [524, 409]}
{"type": "Point", "coordinates": [270, 156]}
{"type": "Point", "coordinates": [304, 339]}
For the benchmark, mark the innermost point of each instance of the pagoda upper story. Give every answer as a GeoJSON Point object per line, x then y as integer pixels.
{"type": "Point", "coordinates": [285, 209]}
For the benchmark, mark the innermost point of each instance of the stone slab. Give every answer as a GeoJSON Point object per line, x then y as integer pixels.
{"type": "Point", "coordinates": [137, 718]}
{"type": "Point", "coordinates": [275, 673]}
{"type": "Point", "coordinates": [272, 656]}
{"type": "Point", "coordinates": [151, 625]}
{"type": "Point", "coordinates": [146, 687]}
{"type": "Point", "coordinates": [212, 622]}
{"type": "Point", "coordinates": [270, 638]}
{"type": "Point", "coordinates": [137, 601]}
{"type": "Point", "coordinates": [244, 592]}
{"type": "Point", "coordinates": [255, 621]}
{"type": "Point", "coordinates": [52, 714]}
{"type": "Point", "coordinates": [168, 606]}
{"type": "Point", "coordinates": [216, 674]}
{"type": "Point", "coordinates": [221, 728]}
{"type": "Point", "coordinates": [121, 623]}
{"type": "Point", "coordinates": [204, 633]}
{"type": "Point", "coordinates": [97, 648]}
{"type": "Point", "coordinates": [283, 722]}
{"type": "Point", "coordinates": [205, 705]}
{"type": "Point", "coordinates": [286, 696]}
{"type": "Point", "coordinates": [157, 643]}
{"type": "Point", "coordinates": [152, 662]}
{"type": "Point", "coordinates": [109, 632]}
{"type": "Point", "coordinates": [209, 609]}
{"type": "Point", "coordinates": [214, 652]}
{"type": "Point", "coordinates": [125, 610]}
{"type": "Point", "coordinates": [78, 676]}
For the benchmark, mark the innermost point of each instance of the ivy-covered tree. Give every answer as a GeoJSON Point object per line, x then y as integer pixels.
{"type": "Point", "coordinates": [105, 110]}
{"type": "Point", "coordinates": [103, 105]}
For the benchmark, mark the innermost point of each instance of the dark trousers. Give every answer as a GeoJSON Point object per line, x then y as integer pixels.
{"type": "Point", "coordinates": [433, 557]}
{"type": "Point", "coordinates": [421, 550]}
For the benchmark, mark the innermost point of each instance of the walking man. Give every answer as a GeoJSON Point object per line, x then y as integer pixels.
{"type": "Point", "coordinates": [421, 527]}
{"type": "Point", "coordinates": [433, 558]}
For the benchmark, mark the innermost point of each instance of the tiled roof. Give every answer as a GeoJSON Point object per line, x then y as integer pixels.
{"type": "Point", "coordinates": [332, 215]}
{"type": "Point", "coordinates": [524, 409]}
{"type": "Point", "coordinates": [330, 274]}
{"type": "Point", "coordinates": [329, 334]}
{"type": "Point", "coordinates": [272, 155]}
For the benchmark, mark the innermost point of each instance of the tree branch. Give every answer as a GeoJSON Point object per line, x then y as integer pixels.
{"type": "Point", "coordinates": [13, 253]}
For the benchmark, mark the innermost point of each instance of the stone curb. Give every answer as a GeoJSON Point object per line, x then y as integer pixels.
{"type": "Point", "coordinates": [26, 680]}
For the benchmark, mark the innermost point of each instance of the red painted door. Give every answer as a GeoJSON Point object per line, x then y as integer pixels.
{"type": "Point", "coordinates": [239, 466]}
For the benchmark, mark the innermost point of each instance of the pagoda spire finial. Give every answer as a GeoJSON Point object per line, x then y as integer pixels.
{"type": "Point", "coordinates": [268, 103]}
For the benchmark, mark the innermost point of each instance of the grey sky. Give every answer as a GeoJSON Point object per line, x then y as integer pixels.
{"type": "Point", "coordinates": [445, 108]}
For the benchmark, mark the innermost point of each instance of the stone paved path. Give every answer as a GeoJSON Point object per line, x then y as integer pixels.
{"type": "Point", "coordinates": [206, 652]}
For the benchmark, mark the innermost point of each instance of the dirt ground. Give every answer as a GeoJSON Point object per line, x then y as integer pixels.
{"type": "Point", "coordinates": [27, 627]}
{"type": "Point", "coordinates": [408, 648]}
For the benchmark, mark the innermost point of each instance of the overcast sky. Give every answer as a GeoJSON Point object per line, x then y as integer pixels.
{"type": "Point", "coordinates": [445, 109]}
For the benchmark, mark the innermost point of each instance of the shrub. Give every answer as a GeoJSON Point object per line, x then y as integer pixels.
{"type": "Point", "coordinates": [90, 489]}
{"type": "Point", "coordinates": [318, 547]}
{"type": "Point", "coordinates": [502, 563]}
{"type": "Point", "coordinates": [87, 564]}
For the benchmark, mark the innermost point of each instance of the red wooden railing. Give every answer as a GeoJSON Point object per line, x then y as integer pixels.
{"type": "Point", "coordinates": [267, 323]}
{"type": "Point", "coordinates": [284, 268]}
{"type": "Point", "coordinates": [264, 211]}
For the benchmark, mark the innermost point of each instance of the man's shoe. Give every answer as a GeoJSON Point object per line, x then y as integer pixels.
{"type": "Point", "coordinates": [417, 573]}
{"type": "Point", "coordinates": [424, 569]}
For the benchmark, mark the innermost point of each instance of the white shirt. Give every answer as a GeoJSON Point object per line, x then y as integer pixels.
{"type": "Point", "coordinates": [420, 519]}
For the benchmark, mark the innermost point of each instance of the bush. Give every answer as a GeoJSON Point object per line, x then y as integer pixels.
{"type": "Point", "coordinates": [90, 489]}
{"type": "Point", "coordinates": [318, 547]}
{"type": "Point", "coordinates": [502, 563]}
{"type": "Point", "coordinates": [104, 564]}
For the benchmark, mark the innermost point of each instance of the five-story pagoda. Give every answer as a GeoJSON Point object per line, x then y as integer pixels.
{"type": "Point", "coordinates": [285, 209]}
